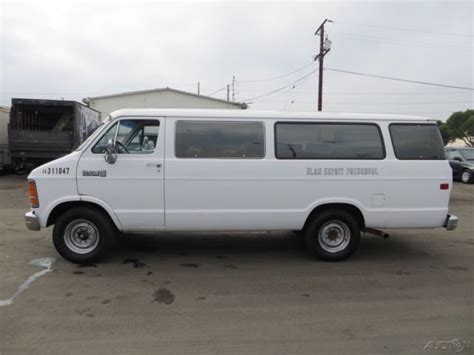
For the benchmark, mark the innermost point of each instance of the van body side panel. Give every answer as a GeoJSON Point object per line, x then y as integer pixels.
{"type": "Point", "coordinates": [234, 198]}
{"type": "Point", "coordinates": [414, 198]}
{"type": "Point", "coordinates": [269, 193]}
{"type": "Point", "coordinates": [223, 194]}
{"type": "Point", "coordinates": [203, 194]}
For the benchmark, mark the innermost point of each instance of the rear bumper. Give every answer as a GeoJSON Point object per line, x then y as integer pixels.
{"type": "Point", "coordinates": [451, 222]}
{"type": "Point", "coordinates": [32, 221]}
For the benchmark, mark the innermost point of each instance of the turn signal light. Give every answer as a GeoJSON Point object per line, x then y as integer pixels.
{"type": "Point", "coordinates": [444, 186]}
{"type": "Point", "coordinates": [33, 194]}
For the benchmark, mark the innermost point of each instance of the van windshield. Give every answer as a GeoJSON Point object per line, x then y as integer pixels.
{"type": "Point", "coordinates": [468, 154]}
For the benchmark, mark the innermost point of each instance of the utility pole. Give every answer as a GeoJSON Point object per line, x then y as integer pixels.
{"type": "Point", "coordinates": [199, 88]}
{"type": "Point", "coordinates": [233, 89]}
{"type": "Point", "coordinates": [324, 48]}
{"type": "Point", "coordinates": [228, 92]}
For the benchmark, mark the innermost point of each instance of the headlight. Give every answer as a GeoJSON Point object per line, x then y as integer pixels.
{"type": "Point", "coordinates": [33, 194]}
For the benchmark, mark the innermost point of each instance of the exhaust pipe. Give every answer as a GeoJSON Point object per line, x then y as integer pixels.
{"type": "Point", "coordinates": [376, 232]}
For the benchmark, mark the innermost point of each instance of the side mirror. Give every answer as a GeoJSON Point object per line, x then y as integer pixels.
{"type": "Point", "coordinates": [110, 154]}
{"type": "Point", "coordinates": [457, 159]}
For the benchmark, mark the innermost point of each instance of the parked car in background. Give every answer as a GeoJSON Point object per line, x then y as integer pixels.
{"type": "Point", "coordinates": [462, 163]}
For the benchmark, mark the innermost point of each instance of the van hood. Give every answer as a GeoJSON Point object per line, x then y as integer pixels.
{"type": "Point", "coordinates": [61, 167]}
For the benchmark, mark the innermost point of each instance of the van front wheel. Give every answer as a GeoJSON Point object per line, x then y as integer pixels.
{"type": "Point", "coordinates": [332, 235]}
{"type": "Point", "coordinates": [83, 235]}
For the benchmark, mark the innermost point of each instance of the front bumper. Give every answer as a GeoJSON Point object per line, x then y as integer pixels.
{"type": "Point", "coordinates": [32, 221]}
{"type": "Point", "coordinates": [451, 222]}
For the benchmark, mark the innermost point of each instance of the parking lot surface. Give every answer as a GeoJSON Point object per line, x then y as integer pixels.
{"type": "Point", "coordinates": [234, 293]}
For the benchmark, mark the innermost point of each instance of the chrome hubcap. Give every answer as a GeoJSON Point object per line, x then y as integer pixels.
{"type": "Point", "coordinates": [334, 236]}
{"type": "Point", "coordinates": [81, 236]}
{"type": "Point", "coordinates": [465, 177]}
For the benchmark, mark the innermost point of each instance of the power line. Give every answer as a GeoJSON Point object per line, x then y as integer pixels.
{"type": "Point", "coordinates": [398, 79]}
{"type": "Point", "coordinates": [405, 43]}
{"type": "Point", "coordinates": [218, 90]}
{"type": "Point", "coordinates": [276, 77]}
{"type": "Point", "coordinates": [280, 94]}
{"type": "Point", "coordinates": [283, 87]}
{"type": "Point", "coordinates": [409, 93]}
{"type": "Point", "coordinates": [404, 29]}
{"type": "Point", "coordinates": [400, 103]}
{"type": "Point", "coordinates": [378, 92]}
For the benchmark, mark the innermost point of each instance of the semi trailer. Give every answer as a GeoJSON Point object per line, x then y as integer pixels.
{"type": "Point", "coordinates": [43, 130]}
{"type": "Point", "coordinates": [5, 161]}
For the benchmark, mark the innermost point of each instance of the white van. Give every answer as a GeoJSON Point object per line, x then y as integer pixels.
{"type": "Point", "coordinates": [328, 175]}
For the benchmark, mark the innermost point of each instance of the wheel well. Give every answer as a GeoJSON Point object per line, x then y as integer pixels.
{"type": "Point", "coordinates": [63, 207]}
{"type": "Point", "coordinates": [338, 206]}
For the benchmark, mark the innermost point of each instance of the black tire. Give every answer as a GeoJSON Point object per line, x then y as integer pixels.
{"type": "Point", "coordinates": [336, 224]}
{"type": "Point", "coordinates": [84, 219]}
{"type": "Point", "coordinates": [466, 176]}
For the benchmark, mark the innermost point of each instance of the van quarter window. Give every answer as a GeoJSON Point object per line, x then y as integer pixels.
{"type": "Point", "coordinates": [219, 139]}
{"type": "Point", "coordinates": [328, 141]}
{"type": "Point", "coordinates": [417, 141]}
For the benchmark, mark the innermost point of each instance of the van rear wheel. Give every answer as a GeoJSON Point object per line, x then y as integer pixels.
{"type": "Point", "coordinates": [332, 235]}
{"type": "Point", "coordinates": [83, 235]}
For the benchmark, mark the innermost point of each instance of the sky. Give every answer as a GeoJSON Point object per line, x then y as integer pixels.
{"type": "Point", "coordinates": [73, 50]}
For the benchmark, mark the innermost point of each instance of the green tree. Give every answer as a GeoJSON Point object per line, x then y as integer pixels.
{"type": "Point", "coordinates": [444, 132]}
{"type": "Point", "coordinates": [460, 125]}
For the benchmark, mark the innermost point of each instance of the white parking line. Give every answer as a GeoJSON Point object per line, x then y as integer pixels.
{"type": "Point", "coordinates": [46, 263]}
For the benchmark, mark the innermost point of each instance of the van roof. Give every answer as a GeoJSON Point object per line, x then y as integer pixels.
{"type": "Point", "coordinates": [244, 114]}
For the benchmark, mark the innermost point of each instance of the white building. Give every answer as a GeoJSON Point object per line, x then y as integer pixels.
{"type": "Point", "coordinates": [158, 98]}
{"type": "Point", "coordinates": [459, 143]}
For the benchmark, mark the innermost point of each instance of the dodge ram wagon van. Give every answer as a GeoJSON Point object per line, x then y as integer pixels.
{"type": "Point", "coordinates": [327, 175]}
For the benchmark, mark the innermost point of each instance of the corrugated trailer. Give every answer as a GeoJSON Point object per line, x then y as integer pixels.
{"type": "Point", "coordinates": [5, 160]}
{"type": "Point", "coordinates": [43, 130]}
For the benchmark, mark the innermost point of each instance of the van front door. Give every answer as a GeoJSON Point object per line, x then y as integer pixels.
{"type": "Point", "coordinates": [133, 186]}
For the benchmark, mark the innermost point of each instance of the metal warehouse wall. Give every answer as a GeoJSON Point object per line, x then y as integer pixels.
{"type": "Point", "coordinates": [159, 99]}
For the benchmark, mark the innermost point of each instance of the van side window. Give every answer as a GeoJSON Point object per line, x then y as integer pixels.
{"type": "Point", "coordinates": [328, 141]}
{"type": "Point", "coordinates": [417, 141]}
{"type": "Point", "coordinates": [133, 137]}
{"type": "Point", "coordinates": [219, 139]}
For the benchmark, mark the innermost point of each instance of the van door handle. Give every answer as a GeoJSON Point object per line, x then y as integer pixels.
{"type": "Point", "coordinates": [153, 165]}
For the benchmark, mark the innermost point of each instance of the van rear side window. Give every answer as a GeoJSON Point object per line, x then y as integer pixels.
{"type": "Point", "coordinates": [219, 139]}
{"type": "Point", "coordinates": [417, 141]}
{"type": "Point", "coordinates": [328, 141]}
